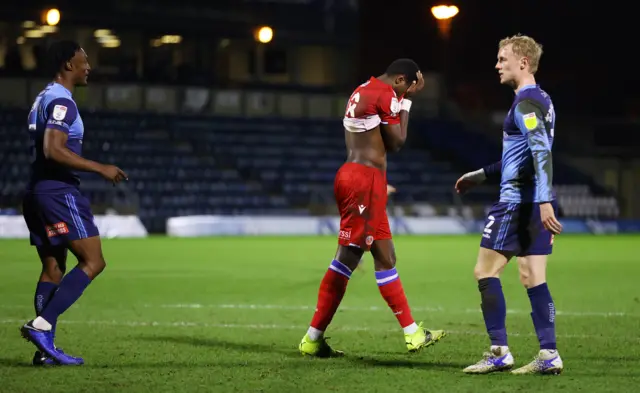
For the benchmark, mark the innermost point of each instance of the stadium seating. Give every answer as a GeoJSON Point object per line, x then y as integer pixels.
{"type": "Point", "coordinates": [191, 165]}
{"type": "Point", "coordinates": [182, 165]}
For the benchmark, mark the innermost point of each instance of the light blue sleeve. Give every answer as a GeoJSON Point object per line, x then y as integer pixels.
{"type": "Point", "coordinates": [530, 120]}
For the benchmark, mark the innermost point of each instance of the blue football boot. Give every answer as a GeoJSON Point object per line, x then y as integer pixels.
{"type": "Point", "coordinates": [43, 340]}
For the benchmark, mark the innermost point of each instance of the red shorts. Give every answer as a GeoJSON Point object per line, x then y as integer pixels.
{"type": "Point", "coordinates": [361, 195]}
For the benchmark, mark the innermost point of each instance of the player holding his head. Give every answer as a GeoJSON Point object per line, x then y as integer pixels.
{"type": "Point", "coordinates": [376, 119]}
{"type": "Point", "coordinates": [58, 216]}
{"type": "Point", "coordinates": [523, 222]}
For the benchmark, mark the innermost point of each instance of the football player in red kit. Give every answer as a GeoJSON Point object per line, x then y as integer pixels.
{"type": "Point", "coordinates": [375, 122]}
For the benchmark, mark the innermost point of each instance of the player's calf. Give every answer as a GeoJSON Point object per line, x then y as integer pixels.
{"type": "Point", "coordinates": [332, 289]}
{"type": "Point", "coordinates": [40, 330]}
{"type": "Point", "coordinates": [543, 311]}
{"type": "Point", "coordinates": [54, 265]}
{"type": "Point", "coordinates": [390, 286]}
{"type": "Point", "coordinates": [488, 267]}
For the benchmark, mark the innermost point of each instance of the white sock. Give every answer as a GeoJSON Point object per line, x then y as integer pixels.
{"type": "Point", "coordinates": [410, 329]}
{"type": "Point", "coordinates": [548, 353]}
{"type": "Point", "coordinates": [41, 324]}
{"type": "Point", "coordinates": [314, 334]}
{"type": "Point", "coordinates": [499, 349]}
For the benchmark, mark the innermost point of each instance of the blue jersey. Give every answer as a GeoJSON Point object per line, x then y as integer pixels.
{"type": "Point", "coordinates": [527, 168]}
{"type": "Point", "coordinates": [53, 108]}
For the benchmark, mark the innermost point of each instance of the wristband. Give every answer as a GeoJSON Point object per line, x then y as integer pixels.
{"type": "Point", "coordinates": [478, 175]}
{"type": "Point", "coordinates": [405, 105]}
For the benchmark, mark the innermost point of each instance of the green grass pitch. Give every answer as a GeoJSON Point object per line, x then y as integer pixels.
{"type": "Point", "coordinates": [227, 314]}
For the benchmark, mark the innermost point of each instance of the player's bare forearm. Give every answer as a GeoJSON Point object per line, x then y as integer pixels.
{"type": "Point", "coordinates": [396, 134]}
{"type": "Point", "coordinates": [66, 157]}
{"type": "Point", "coordinates": [55, 149]}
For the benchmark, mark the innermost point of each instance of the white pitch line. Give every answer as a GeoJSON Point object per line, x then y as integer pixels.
{"type": "Point", "coordinates": [601, 314]}
{"type": "Point", "coordinates": [179, 324]}
{"type": "Point", "coordinates": [379, 308]}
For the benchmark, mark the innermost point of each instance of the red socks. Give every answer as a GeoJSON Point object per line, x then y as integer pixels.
{"type": "Point", "coordinates": [334, 285]}
{"type": "Point", "coordinates": [392, 291]}
{"type": "Point", "coordinates": [332, 289]}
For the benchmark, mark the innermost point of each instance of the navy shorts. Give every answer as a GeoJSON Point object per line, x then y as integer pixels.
{"type": "Point", "coordinates": [517, 228]}
{"type": "Point", "coordinates": [57, 219]}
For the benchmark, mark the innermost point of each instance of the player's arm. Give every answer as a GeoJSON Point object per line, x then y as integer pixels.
{"type": "Point", "coordinates": [493, 171]}
{"type": "Point", "coordinates": [61, 114]}
{"type": "Point", "coordinates": [529, 117]}
{"type": "Point", "coordinates": [394, 126]}
{"type": "Point", "coordinates": [472, 179]}
{"type": "Point", "coordinates": [530, 120]}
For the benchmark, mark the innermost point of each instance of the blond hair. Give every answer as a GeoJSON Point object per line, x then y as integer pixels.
{"type": "Point", "coordinates": [524, 46]}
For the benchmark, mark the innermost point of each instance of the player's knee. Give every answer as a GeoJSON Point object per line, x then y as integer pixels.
{"type": "Point", "coordinates": [93, 267]}
{"type": "Point", "coordinates": [489, 264]}
{"type": "Point", "coordinates": [525, 276]}
{"type": "Point", "coordinates": [479, 273]}
{"type": "Point", "coordinates": [486, 270]}
{"type": "Point", "coordinates": [349, 256]}
{"type": "Point", "coordinates": [385, 263]}
{"type": "Point", "coordinates": [532, 270]}
{"type": "Point", "coordinates": [530, 280]}
{"type": "Point", "coordinates": [51, 274]}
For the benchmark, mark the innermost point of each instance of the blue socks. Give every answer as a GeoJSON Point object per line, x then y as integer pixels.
{"type": "Point", "coordinates": [494, 309]}
{"type": "Point", "coordinates": [71, 288]}
{"type": "Point", "coordinates": [543, 315]}
{"type": "Point", "coordinates": [44, 293]}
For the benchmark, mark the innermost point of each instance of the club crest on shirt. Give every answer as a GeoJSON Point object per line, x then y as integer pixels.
{"type": "Point", "coordinates": [530, 121]}
{"type": "Point", "coordinates": [59, 112]}
{"type": "Point", "coordinates": [395, 106]}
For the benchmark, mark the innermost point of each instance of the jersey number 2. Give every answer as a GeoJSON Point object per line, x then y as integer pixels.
{"type": "Point", "coordinates": [487, 228]}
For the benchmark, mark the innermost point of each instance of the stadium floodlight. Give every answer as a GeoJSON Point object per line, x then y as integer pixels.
{"type": "Point", "coordinates": [442, 12]}
{"type": "Point", "coordinates": [444, 15]}
{"type": "Point", "coordinates": [52, 17]}
{"type": "Point", "coordinates": [264, 34]}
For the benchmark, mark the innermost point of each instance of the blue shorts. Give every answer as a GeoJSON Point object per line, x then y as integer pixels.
{"type": "Point", "coordinates": [517, 228]}
{"type": "Point", "coordinates": [57, 219]}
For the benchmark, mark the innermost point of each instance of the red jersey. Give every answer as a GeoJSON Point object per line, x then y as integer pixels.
{"type": "Point", "coordinates": [372, 103]}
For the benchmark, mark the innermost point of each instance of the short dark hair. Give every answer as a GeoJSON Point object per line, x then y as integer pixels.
{"type": "Point", "coordinates": [405, 67]}
{"type": "Point", "coordinates": [58, 54]}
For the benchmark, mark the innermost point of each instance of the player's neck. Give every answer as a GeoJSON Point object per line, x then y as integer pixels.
{"type": "Point", "coordinates": [384, 78]}
{"type": "Point", "coordinates": [65, 83]}
{"type": "Point", "coordinates": [526, 81]}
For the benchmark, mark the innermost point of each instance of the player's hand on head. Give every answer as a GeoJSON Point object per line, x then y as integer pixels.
{"type": "Point", "coordinates": [549, 219]}
{"type": "Point", "coordinates": [416, 86]}
{"type": "Point", "coordinates": [113, 174]}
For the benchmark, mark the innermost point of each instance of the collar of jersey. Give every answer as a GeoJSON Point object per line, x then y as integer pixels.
{"type": "Point", "coordinates": [378, 82]}
{"type": "Point", "coordinates": [62, 87]}
{"type": "Point", "coordinates": [527, 87]}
